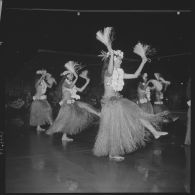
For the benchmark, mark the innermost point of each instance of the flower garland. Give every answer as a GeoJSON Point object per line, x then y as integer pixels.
{"type": "Point", "coordinates": [73, 92]}
{"type": "Point", "coordinates": [117, 53]}
{"type": "Point", "coordinates": [161, 96]}
{"type": "Point", "coordinates": [148, 94]}
{"type": "Point", "coordinates": [117, 81]}
{"type": "Point", "coordinates": [43, 97]}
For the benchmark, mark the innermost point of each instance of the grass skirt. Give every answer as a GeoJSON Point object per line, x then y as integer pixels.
{"type": "Point", "coordinates": [72, 118]}
{"type": "Point", "coordinates": [159, 108]}
{"type": "Point", "coordinates": [146, 107]}
{"type": "Point", "coordinates": [40, 113]}
{"type": "Point", "coordinates": [121, 130]}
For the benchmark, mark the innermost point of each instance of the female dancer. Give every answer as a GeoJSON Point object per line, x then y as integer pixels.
{"type": "Point", "coordinates": [73, 115]}
{"type": "Point", "coordinates": [143, 92]}
{"type": "Point", "coordinates": [40, 110]}
{"type": "Point", "coordinates": [159, 86]}
{"type": "Point", "coordinates": [122, 122]}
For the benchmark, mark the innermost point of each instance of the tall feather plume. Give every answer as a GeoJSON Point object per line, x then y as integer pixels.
{"type": "Point", "coordinates": [84, 74]}
{"type": "Point", "coordinates": [50, 80]}
{"type": "Point", "coordinates": [143, 50]}
{"type": "Point", "coordinates": [139, 49]}
{"type": "Point", "coordinates": [105, 36]}
{"type": "Point", "coordinates": [77, 67]}
{"type": "Point", "coordinates": [72, 66]}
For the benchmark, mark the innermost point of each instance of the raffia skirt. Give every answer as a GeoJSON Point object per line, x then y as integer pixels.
{"type": "Point", "coordinates": [121, 130]}
{"type": "Point", "coordinates": [72, 118]}
{"type": "Point", "coordinates": [159, 108]}
{"type": "Point", "coordinates": [40, 113]}
{"type": "Point", "coordinates": [146, 107]}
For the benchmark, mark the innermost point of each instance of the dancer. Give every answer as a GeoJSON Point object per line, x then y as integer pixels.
{"type": "Point", "coordinates": [143, 93]}
{"type": "Point", "coordinates": [74, 115]}
{"type": "Point", "coordinates": [40, 110]}
{"type": "Point", "coordinates": [122, 122]}
{"type": "Point", "coordinates": [159, 86]}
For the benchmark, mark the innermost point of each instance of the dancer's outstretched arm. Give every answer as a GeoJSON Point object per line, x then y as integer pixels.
{"type": "Point", "coordinates": [138, 71]}
{"type": "Point", "coordinates": [164, 81]}
{"type": "Point", "coordinates": [85, 85]}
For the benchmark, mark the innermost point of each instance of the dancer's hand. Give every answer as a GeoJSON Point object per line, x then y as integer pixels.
{"type": "Point", "coordinates": [144, 59]}
{"type": "Point", "coordinates": [84, 74]}
{"type": "Point", "coordinates": [61, 102]}
{"type": "Point", "coordinates": [168, 82]}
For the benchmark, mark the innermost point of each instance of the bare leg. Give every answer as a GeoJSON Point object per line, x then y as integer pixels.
{"type": "Point", "coordinates": [50, 121]}
{"type": "Point", "coordinates": [89, 109]}
{"type": "Point", "coordinates": [65, 138]}
{"type": "Point", "coordinates": [156, 134]}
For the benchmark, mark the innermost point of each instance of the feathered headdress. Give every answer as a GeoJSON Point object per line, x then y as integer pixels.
{"type": "Point", "coordinates": [72, 67]}
{"type": "Point", "coordinates": [47, 77]}
{"type": "Point", "coordinates": [143, 50]}
{"type": "Point", "coordinates": [105, 36]}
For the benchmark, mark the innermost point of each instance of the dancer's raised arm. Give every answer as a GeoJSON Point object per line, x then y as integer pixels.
{"type": "Point", "coordinates": [166, 83]}
{"type": "Point", "coordinates": [138, 71]}
{"type": "Point", "coordinates": [105, 37]}
{"type": "Point", "coordinates": [111, 62]}
{"type": "Point", "coordinates": [83, 75]}
{"type": "Point", "coordinates": [75, 80]}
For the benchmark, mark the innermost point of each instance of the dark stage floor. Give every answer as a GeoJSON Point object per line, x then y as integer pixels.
{"type": "Point", "coordinates": [38, 163]}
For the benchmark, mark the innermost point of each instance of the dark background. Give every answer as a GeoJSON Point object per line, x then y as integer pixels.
{"type": "Point", "coordinates": [35, 39]}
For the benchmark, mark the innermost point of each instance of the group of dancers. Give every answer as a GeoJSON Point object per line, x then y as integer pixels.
{"type": "Point", "coordinates": [123, 124]}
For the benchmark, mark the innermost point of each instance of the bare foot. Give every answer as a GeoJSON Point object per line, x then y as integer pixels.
{"type": "Point", "coordinates": [65, 138]}
{"type": "Point", "coordinates": [157, 135]}
{"type": "Point", "coordinates": [116, 158]}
